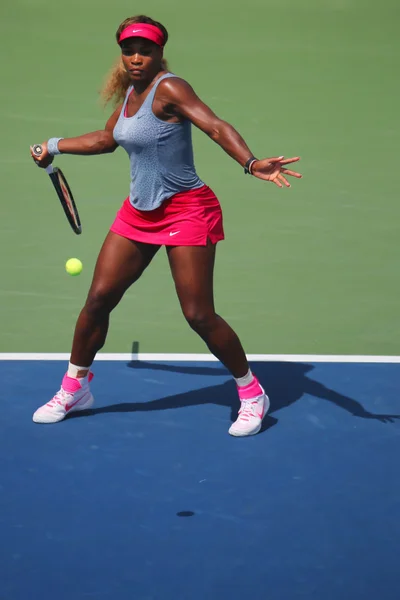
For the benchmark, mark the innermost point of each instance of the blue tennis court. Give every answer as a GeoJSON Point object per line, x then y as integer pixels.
{"type": "Point", "coordinates": [148, 497]}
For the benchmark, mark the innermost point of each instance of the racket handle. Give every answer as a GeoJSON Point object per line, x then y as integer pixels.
{"type": "Point", "coordinates": [37, 150]}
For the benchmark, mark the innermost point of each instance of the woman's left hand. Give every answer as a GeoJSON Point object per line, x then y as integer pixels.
{"type": "Point", "coordinates": [274, 169]}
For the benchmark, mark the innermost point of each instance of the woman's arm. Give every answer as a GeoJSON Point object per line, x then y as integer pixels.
{"type": "Point", "coordinates": [181, 99]}
{"type": "Point", "coordinates": [185, 103]}
{"type": "Point", "coordinates": [96, 142]}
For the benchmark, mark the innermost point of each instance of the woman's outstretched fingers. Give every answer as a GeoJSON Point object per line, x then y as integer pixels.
{"type": "Point", "coordinates": [291, 173]}
{"type": "Point", "coordinates": [283, 180]}
{"type": "Point", "coordinates": [286, 161]}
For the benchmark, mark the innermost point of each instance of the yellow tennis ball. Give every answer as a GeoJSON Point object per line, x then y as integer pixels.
{"type": "Point", "coordinates": [73, 266]}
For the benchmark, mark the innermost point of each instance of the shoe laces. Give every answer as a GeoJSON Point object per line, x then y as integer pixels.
{"type": "Point", "coordinates": [60, 398]}
{"type": "Point", "coordinates": [248, 409]}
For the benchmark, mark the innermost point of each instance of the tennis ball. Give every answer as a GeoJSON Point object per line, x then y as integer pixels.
{"type": "Point", "coordinates": [73, 266]}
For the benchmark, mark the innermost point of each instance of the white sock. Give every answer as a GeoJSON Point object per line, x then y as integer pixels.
{"type": "Point", "coordinates": [76, 372]}
{"type": "Point", "coordinates": [242, 381]}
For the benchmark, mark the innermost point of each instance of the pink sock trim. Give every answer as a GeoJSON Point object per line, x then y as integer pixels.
{"type": "Point", "coordinates": [250, 391]}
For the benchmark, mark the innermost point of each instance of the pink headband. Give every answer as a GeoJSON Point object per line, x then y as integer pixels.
{"type": "Point", "coordinates": [150, 32]}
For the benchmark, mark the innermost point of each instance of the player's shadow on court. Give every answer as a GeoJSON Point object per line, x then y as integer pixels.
{"type": "Point", "coordinates": [285, 383]}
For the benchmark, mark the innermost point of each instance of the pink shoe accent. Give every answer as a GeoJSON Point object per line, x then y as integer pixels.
{"type": "Point", "coordinates": [252, 390]}
{"type": "Point", "coordinates": [72, 385]}
{"type": "Point", "coordinates": [69, 406]}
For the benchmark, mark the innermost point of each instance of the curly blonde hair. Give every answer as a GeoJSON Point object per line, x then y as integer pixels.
{"type": "Point", "coordinates": [118, 80]}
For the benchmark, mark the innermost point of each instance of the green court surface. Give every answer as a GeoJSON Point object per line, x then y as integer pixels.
{"type": "Point", "coordinates": [313, 269]}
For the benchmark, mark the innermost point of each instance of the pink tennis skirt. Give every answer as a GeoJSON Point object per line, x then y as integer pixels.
{"type": "Point", "coordinates": [186, 219]}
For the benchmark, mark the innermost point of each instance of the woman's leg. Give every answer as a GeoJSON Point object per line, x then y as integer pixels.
{"type": "Point", "coordinates": [192, 269]}
{"type": "Point", "coordinates": [120, 263]}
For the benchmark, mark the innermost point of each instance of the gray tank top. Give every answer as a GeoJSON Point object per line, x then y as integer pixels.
{"type": "Point", "coordinates": [160, 154]}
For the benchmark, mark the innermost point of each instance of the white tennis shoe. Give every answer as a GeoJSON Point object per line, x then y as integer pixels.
{"type": "Point", "coordinates": [252, 410]}
{"type": "Point", "coordinates": [73, 395]}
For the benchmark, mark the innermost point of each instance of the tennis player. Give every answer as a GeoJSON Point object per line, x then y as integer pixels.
{"type": "Point", "coordinates": [168, 205]}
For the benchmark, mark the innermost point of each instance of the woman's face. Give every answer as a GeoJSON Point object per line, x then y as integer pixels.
{"type": "Point", "coordinates": [141, 57]}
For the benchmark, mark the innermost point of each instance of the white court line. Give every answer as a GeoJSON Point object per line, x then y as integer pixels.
{"type": "Point", "coordinates": [142, 356]}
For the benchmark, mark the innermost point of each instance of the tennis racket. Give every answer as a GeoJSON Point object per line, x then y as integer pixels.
{"type": "Point", "coordinates": [63, 192]}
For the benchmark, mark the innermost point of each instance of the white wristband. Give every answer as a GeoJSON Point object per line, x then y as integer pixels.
{"type": "Point", "coordinates": [52, 146]}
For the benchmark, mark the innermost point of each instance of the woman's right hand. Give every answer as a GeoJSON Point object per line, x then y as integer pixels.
{"type": "Point", "coordinates": [45, 159]}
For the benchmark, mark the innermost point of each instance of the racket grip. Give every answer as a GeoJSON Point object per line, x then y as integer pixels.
{"type": "Point", "coordinates": [37, 149]}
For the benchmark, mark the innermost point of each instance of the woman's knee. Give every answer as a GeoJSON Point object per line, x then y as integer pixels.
{"type": "Point", "coordinates": [199, 318]}
{"type": "Point", "coordinates": [100, 300]}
